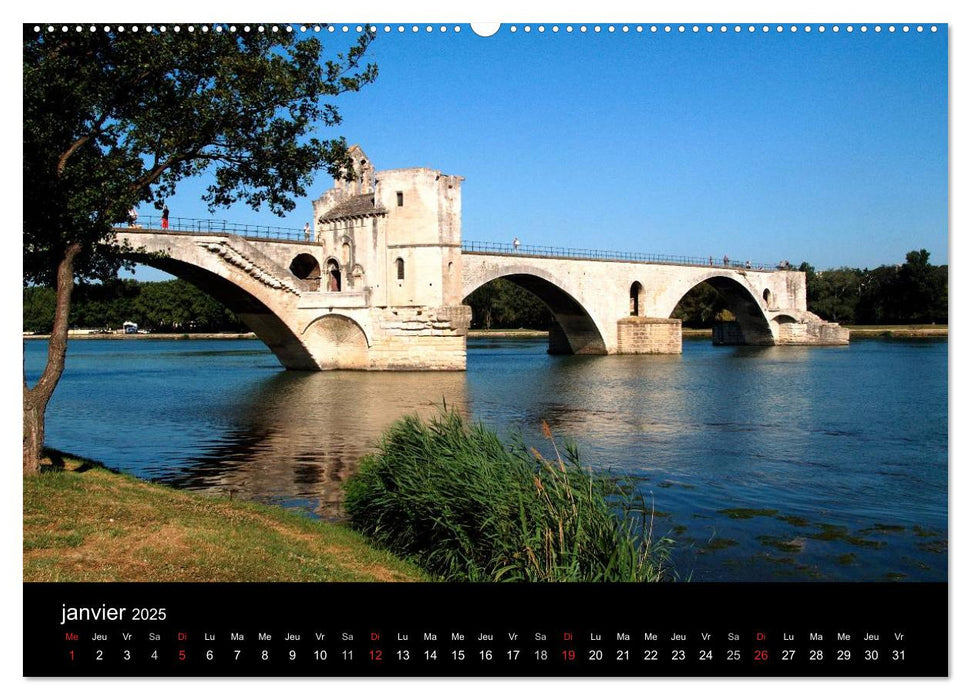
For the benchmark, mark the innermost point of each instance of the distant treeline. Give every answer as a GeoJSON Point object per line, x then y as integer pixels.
{"type": "Point", "coordinates": [165, 307]}
{"type": "Point", "coordinates": [914, 292]}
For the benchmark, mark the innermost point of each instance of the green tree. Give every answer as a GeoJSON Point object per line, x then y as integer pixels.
{"type": "Point", "coordinates": [38, 309]}
{"type": "Point", "coordinates": [915, 292]}
{"type": "Point", "coordinates": [877, 290]}
{"type": "Point", "coordinates": [916, 287]}
{"type": "Point", "coordinates": [836, 294]}
{"type": "Point", "coordinates": [938, 306]}
{"type": "Point", "coordinates": [113, 119]}
{"type": "Point", "coordinates": [504, 304]}
{"type": "Point", "coordinates": [700, 307]}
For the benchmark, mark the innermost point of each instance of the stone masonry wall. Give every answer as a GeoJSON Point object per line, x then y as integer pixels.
{"type": "Point", "coordinates": [420, 338]}
{"type": "Point", "coordinates": [637, 335]}
{"type": "Point", "coordinates": [812, 333]}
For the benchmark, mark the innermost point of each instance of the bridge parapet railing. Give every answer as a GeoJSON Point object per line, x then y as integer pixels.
{"type": "Point", "coordinates": [612, 256]}
{"type": "Point", "coordinates": [217, 226]}
{"type": "Point", "coordinates": [284, 233]}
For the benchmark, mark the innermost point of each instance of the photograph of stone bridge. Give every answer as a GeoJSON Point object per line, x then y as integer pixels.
{"type": "Point", "coordinates": [379, 280]}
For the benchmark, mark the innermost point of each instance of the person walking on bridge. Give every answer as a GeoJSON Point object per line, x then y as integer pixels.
{"type": "Point", "coordinates": [165, 217]}
{"type": "Point", "coordinates": [515, 243]}
{"type": "Point", "coordinates": [306, 231]}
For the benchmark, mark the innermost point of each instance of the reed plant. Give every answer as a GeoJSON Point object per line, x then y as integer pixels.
{"type": "Point", "coordinates": [463, 505]}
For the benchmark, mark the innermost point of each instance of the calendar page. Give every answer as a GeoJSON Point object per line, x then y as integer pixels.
{"type": "Point", "coordinates": [524, 349]}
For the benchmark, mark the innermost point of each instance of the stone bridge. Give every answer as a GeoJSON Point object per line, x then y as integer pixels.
{"type": "Point", "coordinates": [621, 307]}
{"type": "Point", "coordinates": [378, 282]}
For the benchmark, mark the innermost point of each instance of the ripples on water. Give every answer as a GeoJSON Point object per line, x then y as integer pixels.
{"type": "Point", "coordinates": [763, 463]}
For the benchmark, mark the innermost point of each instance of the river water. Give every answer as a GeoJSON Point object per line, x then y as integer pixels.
{"type": "Point", "coordinates": [762, 464]}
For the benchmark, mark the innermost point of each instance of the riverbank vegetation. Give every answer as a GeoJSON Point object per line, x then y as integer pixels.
{"type": "Point", "coordinates": [914, 292]}
{"type": "Point", "coordinates": [85, 523]}
{"type": "Point", "coordinates": [453, 498]}
{"type": "Point", "coordinates": [165, 307]}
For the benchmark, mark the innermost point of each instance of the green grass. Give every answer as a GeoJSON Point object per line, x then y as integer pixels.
{"type": "Point", "coordinates": [83, 523]}
{"type": "Point", "coordinates": [466, 507]}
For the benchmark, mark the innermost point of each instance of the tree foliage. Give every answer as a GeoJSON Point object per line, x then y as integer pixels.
{"type": "Point", "coordinates": [503, 304]}
{"type": "Point", "coordinates": [113, 119]}
{"type": "Point", "coordinates": [701, 307]}
{"type": "Point", "coordinates": [914, 292]}
{"type": "Point", "coordinates": [167, 307]}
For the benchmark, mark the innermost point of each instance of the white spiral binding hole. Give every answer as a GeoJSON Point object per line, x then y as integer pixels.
{"type": "Point", "coordinates": [432, 29]}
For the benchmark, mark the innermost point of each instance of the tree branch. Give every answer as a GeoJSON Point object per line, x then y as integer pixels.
{"type": "Point", "coordinates": [152, 175]}
{"type": "Point", "coordinates": [95, 130]}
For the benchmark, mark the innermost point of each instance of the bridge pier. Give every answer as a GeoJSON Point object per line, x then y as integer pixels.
{"type": "Point", "coordinates": [421, 339]}
{"type": "Point", "coordinates": [572, 335]}
{"type": "Point", "coordinates": [639, 335]}
{"type": "Point", "coordinates": [811, 330]}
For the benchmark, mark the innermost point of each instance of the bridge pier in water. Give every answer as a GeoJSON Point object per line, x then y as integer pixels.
{"type": "Point", "coordinates": [639, 335]}
{"type": "Point", "coordinates": [379, 280]}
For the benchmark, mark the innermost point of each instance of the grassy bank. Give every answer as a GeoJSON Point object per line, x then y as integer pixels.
{"type": "Point", "coordinates": [911, 331]}
{"type": "Point", "coordinates": [90, 524]}
{"type": "Point", "coordinates": [452, 497]}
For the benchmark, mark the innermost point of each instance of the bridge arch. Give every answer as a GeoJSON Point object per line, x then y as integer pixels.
{"type": "Point", "coordinates": [257, 312]}
{"type": "Point", "coordinates": [339, 342]}
{"type": "Point", "coordinates": [751, 326]}
{"type": "Point", "coordinates": [575, 331]}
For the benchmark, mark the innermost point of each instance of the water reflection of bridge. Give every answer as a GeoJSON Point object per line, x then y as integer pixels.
{"type": "Point", "coordinates": [305, 432]}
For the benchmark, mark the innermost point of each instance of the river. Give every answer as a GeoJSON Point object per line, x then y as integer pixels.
{"type": "Point", "coordinates": [762, 464]}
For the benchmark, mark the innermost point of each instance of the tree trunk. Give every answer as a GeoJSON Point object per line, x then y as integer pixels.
{"type": "Point", "coordinates": [37, 398]}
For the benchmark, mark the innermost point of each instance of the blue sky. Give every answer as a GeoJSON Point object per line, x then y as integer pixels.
{"type": "Point", "coordinates": [826, 147]}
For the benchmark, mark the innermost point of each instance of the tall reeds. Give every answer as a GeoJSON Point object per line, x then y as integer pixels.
{"type": "Point", "coordinates": [457, 501]}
